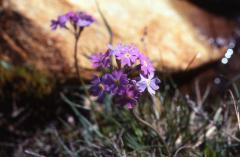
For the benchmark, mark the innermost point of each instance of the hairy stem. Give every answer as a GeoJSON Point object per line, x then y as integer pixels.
{"type": "Point", "coordinates": [76, 61]}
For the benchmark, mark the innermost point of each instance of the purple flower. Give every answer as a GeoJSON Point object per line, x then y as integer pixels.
{"type": "Point", "coordinates": [149, 83]}
{"type": "Point", "coordinates": [115, 50]}
{"type": "Point", "coordinates": [127, 54]}
{"type": "Point", "coordinates": [61, 22]}
{"type": "Point", "coordinates": [100, 60]}
{"type": "Point", "coordinates": [129, 97]}
{"type": "Point", "coordinates": [84, 19]}
{"type": "Point", "coordinates": [80, 19]}
{"type": "Point", "coordinates": [146, 65]}
{"type": "Point", "coordinates": [72, 17]}
{"type": "Point", "coordinates": [99, 87]}
{"type": "Point", "coordinates": [54, 24]}
{"type": "Point", "coordinates": [117, 82]}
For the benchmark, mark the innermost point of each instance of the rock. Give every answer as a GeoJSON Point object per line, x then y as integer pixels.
{"type": "Point", "coordinates": [176, 35]}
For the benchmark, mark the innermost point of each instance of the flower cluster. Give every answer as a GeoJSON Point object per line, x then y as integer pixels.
{"type": "Point", "coordinates": [127, 79]}
{"type": "Point", "coordinates": [77, 19]}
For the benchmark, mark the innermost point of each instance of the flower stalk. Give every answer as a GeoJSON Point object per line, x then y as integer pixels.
{"type": "Point", "coordinates": [76, 61]}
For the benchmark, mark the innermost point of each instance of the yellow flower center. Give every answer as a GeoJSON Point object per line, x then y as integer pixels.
{"type": "Point", "coordinates": [117, 82]}
{"type": "Point", "coordinates": [127, 55]}
{"type": "Point", "coordinates": [148, 82]}
{"type": "Point", "coordinates": [101, 86]}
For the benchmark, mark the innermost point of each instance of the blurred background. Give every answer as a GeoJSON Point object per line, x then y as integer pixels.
{"type": "Point", "coordinates": [194, 44]}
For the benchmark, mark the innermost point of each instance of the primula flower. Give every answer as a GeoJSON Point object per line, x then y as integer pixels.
{"type": "Point", "coordinates": [149, 83]}
{"type": "Point", "coordinates": [120, 81]}
{"type": "Point", "coordinates": [99, 87]}
{"type": "Point", "coordinates": [100, 60]}
{"type": "Point", "coordinates": [84, 19]}
{"type": "Point", "coordinates": [115, 50]}
{"type": "Point", "coordinates": [61, 22]}
{"type": "Point", "coordinates": [146, 65]}
{"type": "Point", "coordinates": [127, 54]}
{"type": "Point", "coordinates": [54, 24]}
{"type": "Point", "coordinates": [117, 82]}
{"type": "Point", "coordinates": [80, 19]}
{"type": "Point", "coordinates": [72, 17]}
{"type": "Point", "coordinates": [129, 97]}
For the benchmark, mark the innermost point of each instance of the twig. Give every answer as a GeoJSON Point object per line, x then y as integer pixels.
{"type": "Point", "coordinates": [236, 108]}
{"type": "Point", "coordinates": [68, 151]}
{"type": "Point", "coordinates": [191, 61]}
{"type": "Point", "coordinates": [33, 153]}
{"type": "Point", "coordinates": [206, 94]}
{"type": "Point", "coordinates": [198, 92]}
{"type": "Point", "coordinates": [230, 135]}
{"type": "Point", "coordinates": [14, 45]}
{"type": "Point", "coordinates": [180, 149]}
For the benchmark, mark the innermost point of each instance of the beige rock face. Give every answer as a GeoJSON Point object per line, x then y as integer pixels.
{"type": "Point", "coordinates": [176, 35]}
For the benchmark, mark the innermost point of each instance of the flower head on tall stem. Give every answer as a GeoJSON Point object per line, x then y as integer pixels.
{"type": "Point", "coordinates": [76, 19]}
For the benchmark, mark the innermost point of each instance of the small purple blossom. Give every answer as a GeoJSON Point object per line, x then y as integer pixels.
{"type": "Point", "coordinates": [115, 50]}
{"type": "Point", "coordinates": [99, 87]}
{"type": "Point", "coordinates": [54, 24]}
{"type": "Point", "coordinates": [84, 19]}
{"type": "Point", "coordinates": [117, 82]}
{"type": "Point", "coordinates": [129, 97]}
{"type": "Point", "coordinates": [149, 83]}
{"type": "Point", "coordinates": [60, 22]}
{"type": "Point", "coordinates": [146, 65]}
{"type": "Point", "coordinates": [100, 60]}
{"type": "Point", "coordinates": [77, 19]}
{"type": "Point", "coordinates": [127, 54]}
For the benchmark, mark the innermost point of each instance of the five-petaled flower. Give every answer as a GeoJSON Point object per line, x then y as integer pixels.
{"type": "Point", "coordinates": [100, 60]}
{"type": "Point", "coordinates": [129, 97]}
{"type": "Point", "coordinates": [146, 65]}
{"type": "Point", "coordinates": [150, 83]}
{"type": "Point", "coordinates": [99, 87]}
{"type": "Point", "coordinates": [126, 54]}
{"type": "Point", "coordinates": [117, 82]}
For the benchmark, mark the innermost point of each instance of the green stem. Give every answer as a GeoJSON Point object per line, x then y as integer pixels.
{"type": "Point", "coordinates": [76, 61]}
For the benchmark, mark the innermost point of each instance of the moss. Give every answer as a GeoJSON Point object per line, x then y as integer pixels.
{"type": "Point", "coordinates": [25, 80]}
